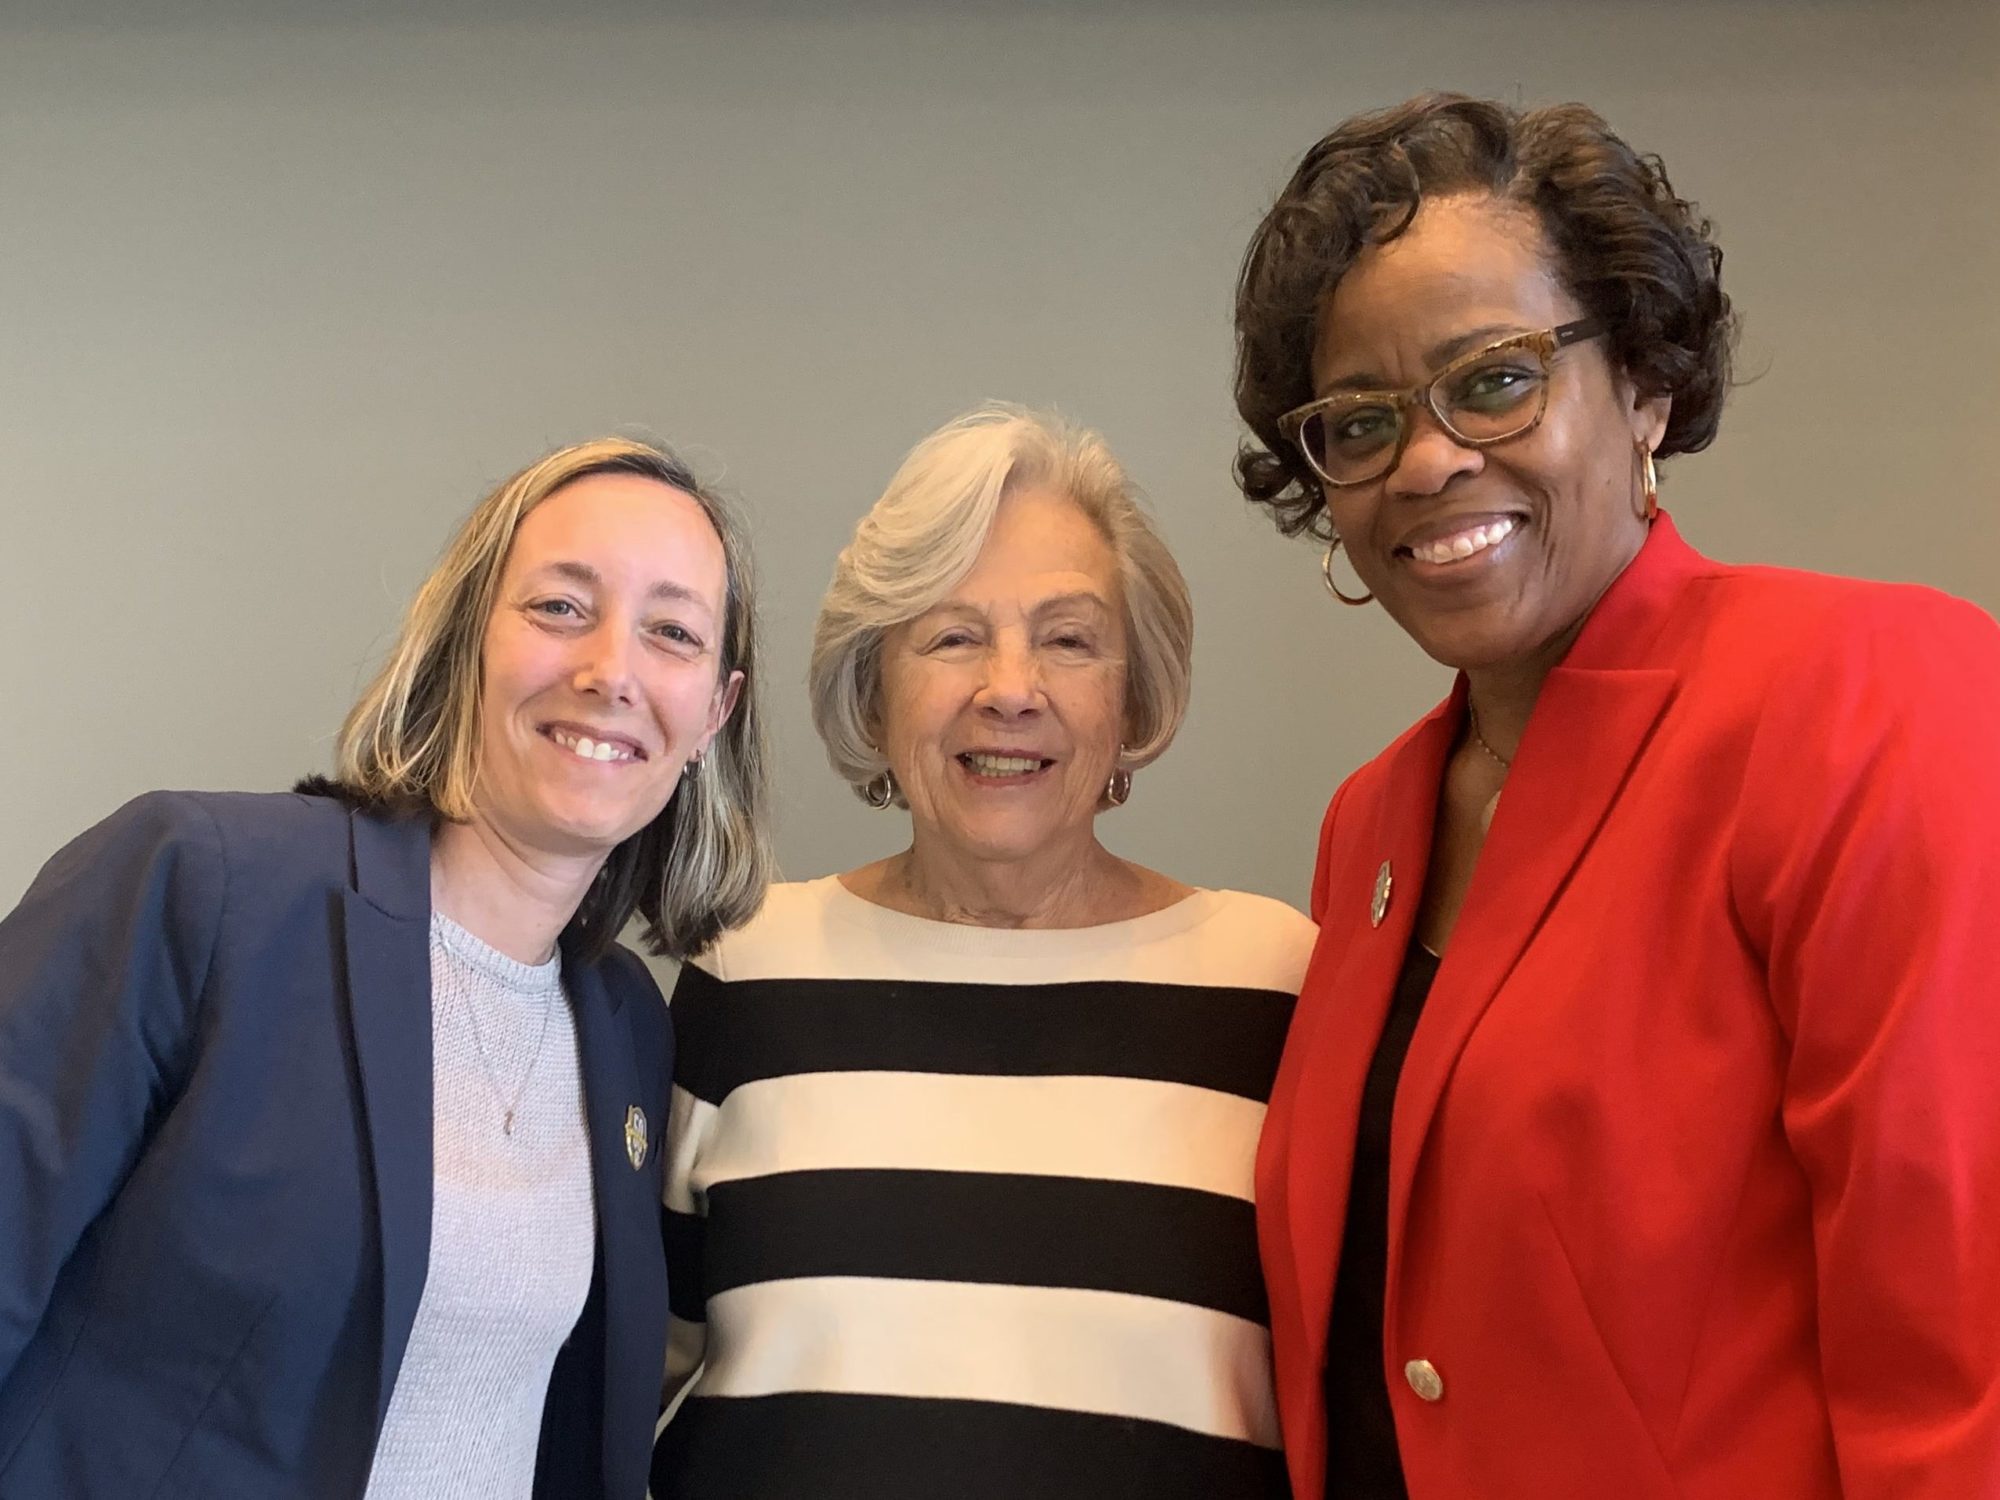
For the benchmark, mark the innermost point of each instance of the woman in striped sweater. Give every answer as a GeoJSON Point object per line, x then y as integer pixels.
{"type": "Point", "coordinates": [959, 1179]}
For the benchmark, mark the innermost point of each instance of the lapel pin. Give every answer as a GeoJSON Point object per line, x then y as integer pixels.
{"type": "Point", "coordinates": [635, 1136]}
{"type": "Point", "coordinates": [1378, 907]}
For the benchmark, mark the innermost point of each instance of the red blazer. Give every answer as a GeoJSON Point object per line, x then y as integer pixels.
{"type": "Point", "coordinates": [1695, 1162]}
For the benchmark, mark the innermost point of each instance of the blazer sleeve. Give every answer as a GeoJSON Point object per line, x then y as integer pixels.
{"type": "Point", "coordinates": [1322, 866]}
{"type": "Point", "coordinates": [1867, 869]}
{"type": "Point", "coordinates": [102, 968]}
{"type": "Point", "coordinates": [697, 995]}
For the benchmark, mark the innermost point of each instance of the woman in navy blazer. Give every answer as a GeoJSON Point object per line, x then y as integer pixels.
{"type": "Point", "coordinates": [216, 1022]}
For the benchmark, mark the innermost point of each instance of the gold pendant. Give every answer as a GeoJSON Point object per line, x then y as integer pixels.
{"type": "Point", "coordinates": [635, 1136]}
{"type": "Point", "coordinates": [1378, 904]}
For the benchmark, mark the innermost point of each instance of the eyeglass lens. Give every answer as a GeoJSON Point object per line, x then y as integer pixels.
{"type": "Point", "coordinates": [1494, 396]}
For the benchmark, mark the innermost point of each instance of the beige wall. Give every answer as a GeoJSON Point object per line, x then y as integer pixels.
{"type": "Point", "coordinates": [279, 298]}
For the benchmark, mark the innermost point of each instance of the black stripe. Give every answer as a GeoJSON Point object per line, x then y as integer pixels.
{"type": "Point", "coordinates": [1212, 1037]}
{"type": "Point", "coordinates": [815, 1446]}
{"type": "Point", "coordinates": [684, 1235]}
{"type": "Point", "coordinates": [998, 1229]}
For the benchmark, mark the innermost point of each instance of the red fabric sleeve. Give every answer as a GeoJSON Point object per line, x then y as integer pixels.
{"type": "Point", "coordinates": [1867, 868]}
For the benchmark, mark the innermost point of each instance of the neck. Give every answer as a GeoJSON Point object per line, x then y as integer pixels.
{"type": "Point", "coordinates": [1080, 884]}
{"type": "Point", "coordinates": [1503, 697]}
{"type": "Point", "coordinates": [1504, 694]}
{"type": "Point", "coordinates": [515, 899]}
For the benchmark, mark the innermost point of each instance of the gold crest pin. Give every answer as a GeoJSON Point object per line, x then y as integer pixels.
{"type": "Point", "coordinates": [635, 1136]}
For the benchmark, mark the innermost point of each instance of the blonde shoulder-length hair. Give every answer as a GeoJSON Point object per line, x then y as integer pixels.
{"type": "Point", "coordinates": [411, 744]}
{"type": "Point", "coordinates": [924, 535]}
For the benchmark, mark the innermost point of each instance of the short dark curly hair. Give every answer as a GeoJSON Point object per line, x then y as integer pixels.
{"type": "Point", "coordinates": [1635, 256]}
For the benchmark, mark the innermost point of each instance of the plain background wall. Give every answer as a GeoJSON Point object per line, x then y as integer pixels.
{"type": "Point", "coordinates": [283, 289]}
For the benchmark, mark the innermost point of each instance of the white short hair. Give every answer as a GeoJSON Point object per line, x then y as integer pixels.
{"type": "Point", "coordinates": [924, 535]}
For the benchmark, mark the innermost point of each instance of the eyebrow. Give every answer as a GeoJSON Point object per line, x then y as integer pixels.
{"type": "Point", "coordinates": [1438, 354]}
{"type": "Point", "coordinates": [584, 574]}
{"type": "Point", "coordinates": [1088, 597]}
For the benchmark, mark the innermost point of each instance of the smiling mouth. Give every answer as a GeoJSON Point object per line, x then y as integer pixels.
{"type": "Point", "coordinates": [991, 767]}
{"type": "Point", "coordinates": [583, 747]}
{"type": "Point", "coordinates": [1460, 545]}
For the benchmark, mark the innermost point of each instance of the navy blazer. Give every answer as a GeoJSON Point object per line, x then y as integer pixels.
{"type": "Point", "coordinates": [215, 1163]}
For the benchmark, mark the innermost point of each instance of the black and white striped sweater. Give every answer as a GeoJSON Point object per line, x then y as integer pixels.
{"type": "Point", "coordinates": [962, 1212]}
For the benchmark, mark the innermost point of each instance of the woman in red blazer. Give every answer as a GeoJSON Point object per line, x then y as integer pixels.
{"type": "Point", "coordinates": [1639, 1129]}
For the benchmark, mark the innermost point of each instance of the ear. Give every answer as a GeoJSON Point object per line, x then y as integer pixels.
{"type": "Point", "coordinates": [1647, 416]}
{"type": "Point", "coordinates": [720, 708]}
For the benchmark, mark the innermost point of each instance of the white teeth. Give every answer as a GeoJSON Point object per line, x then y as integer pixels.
{"type": "Point", "coordinates": [586, 748]}
{"type": "Point", "coordinates": [1003, 765]}
{"type": "Point", "coordinates": [1466, 543]}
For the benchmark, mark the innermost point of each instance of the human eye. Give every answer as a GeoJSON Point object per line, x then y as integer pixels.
{"type": "Point", "coordinates": [1361, 427]}
{"type": "Point", "coordinates": [677, 637]}
{"type": "Point", "coordinates": [951, 638]}
{"type": "Point", "coordinates": [1070, 638]}
{"type": "Point", "coordinates": [556, 610]}
{"type": "Point", "coordinates": [1494, 384]}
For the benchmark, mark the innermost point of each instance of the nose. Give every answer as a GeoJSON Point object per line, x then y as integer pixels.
{"type": "Point", "coordinates": [1431, 457]}
{"type": "Point", "coordinates": [1013, 684]}
{"type": "Point", "coordinates": [606, 665]}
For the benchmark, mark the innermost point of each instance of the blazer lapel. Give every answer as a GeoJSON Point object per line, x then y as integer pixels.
{"type": "Point", "coordinates": [1590, 723]}
{"type": "Point", "coordinates": [386, 933]}
{"type": "Point", "coordinates": [1341, 1029]}
{"type": "Point", "coordinates": [628, 1215]}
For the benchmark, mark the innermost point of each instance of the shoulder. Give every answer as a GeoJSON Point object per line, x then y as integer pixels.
{"type": "Point", "coordinates": [794, 933]}
{"type": "Point", "coordinates": [216, 833]}
{"type": "Point", "coordinates": [1820, 615]}
{"type": "Point", "coordinates": [1255, 941]}
{"type": "Point", "coordinates": [630, 981]}
{"type": "Point", "coordinates": [1842, 649]}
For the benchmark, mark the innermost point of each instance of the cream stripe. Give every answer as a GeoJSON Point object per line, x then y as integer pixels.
{"type": "Point", "coordinates": [820, 930]}
{"type": "Point", "coordinates": [1087, 1351]}
{"type": "Point", "coordinates": [1119, 1129]}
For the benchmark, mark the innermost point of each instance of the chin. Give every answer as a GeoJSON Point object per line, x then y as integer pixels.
{"type": "Point", "coordinates": [1470, 643]}
{"type": "Point", "coordinates": [583, 833]}
{"type": "Point", "coordinates": [1002, 843]}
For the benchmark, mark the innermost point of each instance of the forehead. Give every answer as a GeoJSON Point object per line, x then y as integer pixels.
{"type": "Point", "coordinates": [627, 528]}
{"type": "Point", "coordinates": [1041, 541]}
{"type": "Point", "coordinates": [1465, 262]}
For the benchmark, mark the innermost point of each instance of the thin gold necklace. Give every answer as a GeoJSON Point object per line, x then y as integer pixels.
{"type": "Point", "coordinates": [507, 1110]}
{"type": "Point", "coordinates": [1493, 802]}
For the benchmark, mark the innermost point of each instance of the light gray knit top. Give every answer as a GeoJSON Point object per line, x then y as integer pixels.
{"type": "Point", "coordinates": [513, 1232]}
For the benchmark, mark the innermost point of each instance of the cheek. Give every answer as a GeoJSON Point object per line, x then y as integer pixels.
{"type": "Point", "coordinates": [684, 701]}
{"type": "Point", "coordinates": [1095, 709]}
{"type": "Point", "coordinates": [515, 667]}
{"type": "Point", "coordinates": [918, 709]}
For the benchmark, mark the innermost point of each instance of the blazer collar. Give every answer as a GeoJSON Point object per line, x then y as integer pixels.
{"type": "Point", "coordinates": [1591, 721]}
{"type": "Point", "coordinates": [386, 935]}
{"type": "Point", "coordinates": [628, 1212]}
{"type": "Point", "coordinates": [390, 860]}
{"type": "Point", "coordinates": [1335, 1038]}
{"type": "Point", "coordinates": [1624, 628]}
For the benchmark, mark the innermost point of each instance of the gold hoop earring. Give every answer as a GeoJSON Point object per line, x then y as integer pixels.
{"type": "Point", "coordinates": [1119, 789]}
{"type": "Point", "coordinates": [1649, 481]}
{"type": "Point", "coordinates": [880, 792]}
{"type": "Point", "coordinates": [1326, 572]}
